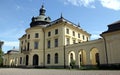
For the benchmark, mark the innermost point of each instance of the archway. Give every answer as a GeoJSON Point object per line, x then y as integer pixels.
{"type": "Point", "coordinates": [82, 58]}
{"type": "Point", "coordinates": [27, 59]}
{"type": "Point", "coordinates": [35, 60]}
{"type": "Point", "coordinates": [94, 56]}
{"type": "Point", "coordinates": [71, 57]}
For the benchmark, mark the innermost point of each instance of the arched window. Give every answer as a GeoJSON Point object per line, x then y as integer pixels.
{"type": "Point", "coordinates": [71, 56]}
{"type": "Point", "coordinates": [48, 59]}
{"type": "Point", "coordinates": [35, 60]}
{"type": "Point", "coordinates": [28, 46]}
{"type": "Point", "coordinates": [56, 58]}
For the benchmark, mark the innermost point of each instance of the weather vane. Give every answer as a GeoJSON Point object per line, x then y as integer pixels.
{"type": "Point", "coordinates": [43, 2]}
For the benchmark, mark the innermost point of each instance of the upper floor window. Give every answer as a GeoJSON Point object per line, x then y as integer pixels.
{"type": "Point", "coordinates": [73, 33]}
{"type": "Point", "coordinates": [28, 36]}
{"type": "Point", "coordinates": [67, 31]}
{"type": "Point", "coordinates": [49, 43]}
{"type": "Point", "coordinates": [36, 35]}
{"type": "Point", "coordinates": [21, 42]}
{"type": "Point", "coordinates": [83, 37]}
{"type": "Point", "coordinates": [49, 33]}
{"type": "Point", "coordinates": [56, 31]}
{"type": "Point", "coordinates": [78, 35]}
{"type": "Point", "coordinates": [28, 46]}
{"type": "Point", "coordinates": [36, 43]}
{"type": "Point", "coordinates": [74, 41]}
{"type": "Point", "coordinates": [68, 41]}
{"type": "Point", "coordinates": [56, 42]}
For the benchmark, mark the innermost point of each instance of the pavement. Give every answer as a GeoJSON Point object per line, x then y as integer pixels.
{"type": "Point", "coordinates": [17, 71]}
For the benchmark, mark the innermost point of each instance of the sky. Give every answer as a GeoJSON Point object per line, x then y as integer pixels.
{"type": "Point", "coordinates": [92, 15]}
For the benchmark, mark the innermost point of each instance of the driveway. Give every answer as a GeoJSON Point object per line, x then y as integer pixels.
{"type": "Point", "coordinates": [16, 71]}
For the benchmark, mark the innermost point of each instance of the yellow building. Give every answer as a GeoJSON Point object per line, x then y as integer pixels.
{"type": "Point", "coordinates": [60, 42]}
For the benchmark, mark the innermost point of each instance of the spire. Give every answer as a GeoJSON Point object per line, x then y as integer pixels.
{"type": "Point", "coordinates": [78, 24]}
{"type": "Point", "coordinates": [61, 16]}
{"type": "Point", "coordinates": [42, 10]}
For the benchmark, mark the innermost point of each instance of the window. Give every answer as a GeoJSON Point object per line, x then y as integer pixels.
{"type": "Point", "coordinates": [83, 37]}
{"type": "Point", "coordinates": [48, 59]}
{"type": "Point", "coordinates": [56, 42]}
{"type": "Point", "coordinates": [74, 41]}
{"type": "Point", "coordinates": [56, 58]}
{"type": "Point", "coordinates": [78, 35]}
{"type": "Point", "coordinates": [56, 31]}
{"type": "Point", "coordinates": [73, 33]}
{"type": "Point", "coordinates": [71, 57]}
{"type": "Point", "coordinates": [87, 39]}
{"type": "Point", "coordinates": [49, 44]}
{"type": "Point", "coordinates": [67, 31]}
{"type": "Point", "coordinates": [68, 41]}
{"type": "Point", "coordinates": [36, 45]}
{"type": "Point", "coordinates": [49, 33]}
{"type": "Point", "coordinates": [28, 46]}
{"type": "Point", "coordinates": [20, 60]}
{"type": "Point", "coordinates": [36, 35]}
{"type": "Point", "coordinates": [21, 48]}
{"type": "Point", "coordinates": [28, 36]}
{"type": "Point", "coordinates": [21, 42]}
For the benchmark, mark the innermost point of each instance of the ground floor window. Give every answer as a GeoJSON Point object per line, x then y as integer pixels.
{"type": "Point", "coordinates": [48, 59]}
{"type": "Point", "coordinates": [56, 58]}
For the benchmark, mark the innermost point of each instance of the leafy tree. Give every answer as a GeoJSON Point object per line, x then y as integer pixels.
{"type": "Point", "coordinates": [1, 57]}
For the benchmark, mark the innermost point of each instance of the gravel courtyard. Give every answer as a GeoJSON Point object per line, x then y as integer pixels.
{"type": "Point", "coordinates": [14, 71]}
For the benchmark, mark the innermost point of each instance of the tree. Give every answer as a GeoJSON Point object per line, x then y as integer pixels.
{"type": "Point", "coordinates": [1, 57]}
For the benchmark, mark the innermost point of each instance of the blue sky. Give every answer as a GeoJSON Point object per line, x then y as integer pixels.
{"type": "Point", "coordinates": [93, 16]}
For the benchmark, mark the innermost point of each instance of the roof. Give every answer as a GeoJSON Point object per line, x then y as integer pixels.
{"type": "Point", "coordinates": [12, 51]}
{"type": "Point", "coordinates": [115, 26]}
{"type": "Point", "coordinates": [62, 19]}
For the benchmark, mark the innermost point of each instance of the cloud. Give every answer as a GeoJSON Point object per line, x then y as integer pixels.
{"type": "Point", "coordinates": [111, 4]}
{"type": "Point", "coordinates": [95, 36]}
{"type": "Point", "coordinates": [85, 3]}
{"type": "Point", "coordinates": [11, 43]}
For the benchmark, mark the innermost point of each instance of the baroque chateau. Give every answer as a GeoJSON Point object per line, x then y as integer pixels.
{"type": "Point", "coordinates": [60, 42]}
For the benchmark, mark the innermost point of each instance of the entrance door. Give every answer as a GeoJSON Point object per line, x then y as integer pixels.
{"type": "Point", "coordinates": [27, 59]}
{"type": "Point", "coordinates": [35, 60]}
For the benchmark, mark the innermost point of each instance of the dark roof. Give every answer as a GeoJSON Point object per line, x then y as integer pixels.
{"type": "Point", "coordinates": [12, 51]}
{"type": "Point", "coordinates": [113, 27]}
{"type": "Point", "coordinates": [42, 19]}
{"type": "Point", "coordinates": [64, 20]}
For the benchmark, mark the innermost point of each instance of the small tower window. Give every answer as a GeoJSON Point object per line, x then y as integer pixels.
{"type": "Point", "coordinates": [49, 33]}
{"type": "Point", "coordinates": [56, 31]}
{"type": "Point", "coordinates": [36, 35]}
{"type": "Point", "coordinates": [28, 36]}
{"type": "Point", "coordinates": [67, 31]}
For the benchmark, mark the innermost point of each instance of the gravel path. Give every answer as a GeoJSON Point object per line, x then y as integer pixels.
{"type": "Point", "coordinates": [14, 71]}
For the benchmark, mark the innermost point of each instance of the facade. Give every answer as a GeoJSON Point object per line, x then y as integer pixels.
{"type": "Point", "coordinates": [11, 58]}
{"type": "Point", "coordinates": [60, 42]}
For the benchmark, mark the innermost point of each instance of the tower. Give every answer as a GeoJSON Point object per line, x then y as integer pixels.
{"type": "Point", "coordinates": [42, 19]}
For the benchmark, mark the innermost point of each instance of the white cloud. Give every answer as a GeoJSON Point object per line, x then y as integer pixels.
{"type": "Point", "coordinates": [95, 36]}
{"type": "Point", "coordinates": [11, 43]}
{"type": "Point", "coordinates": [85, 3]}
{"type": "Point", "coordinates": [111, 4]}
